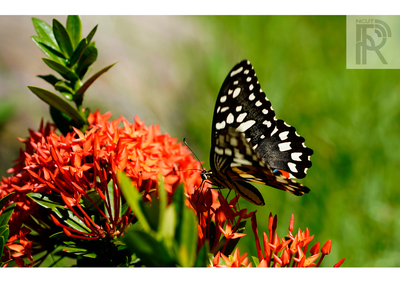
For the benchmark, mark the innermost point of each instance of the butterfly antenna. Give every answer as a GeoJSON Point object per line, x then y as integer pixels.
{"type": "Point", "coordinates": [184, 141]}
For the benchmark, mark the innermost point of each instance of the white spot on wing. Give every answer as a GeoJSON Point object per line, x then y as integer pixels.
{"type": "Point", "coordinates": [235, 82]}
{"type": "Point", "coordinates": [265, 111]}
{"type": "Point", "coordinates": [252, 96]}
{"type": "Point", "coordinates": [245, 126]}
{"type": "Point", "coordinates": [268, 123]}
{"type": "Point", "coordinates": [236, 71]}
{"type": "Point", "coordinates": [220, 126]}
{"type": "Point", "coordinates": [292, 167]}
{"type": "Point", "coordinates": [296, 156]}
{"type": "Point", "coordinates": [239, 108]}
{"type": "Point", "coordinates": [274, 131]}
{"type": "Point", "coordinates": [283, 146]}
{"type": "Point", "coordinates": [241, 117]}
{"type": "Point", "coordinates": [236, 92]}
{"type": "Point", "coordinates": [258, 103]}
{"type": "Point", "coordinates": [246, 71]}
{"type": "Point", "coordinates": [283, 136]}
{"type": "Point", "coordinates": [218, 109]}
{"type": "Point", "coordinates": [228, 151]}
{"type": "Point", "coordinates": [223, 99]}
{"type": "Point", "coordinates": [223, 109]}
{"type": "Point", "coordinates": [230, 118]}
{"type": "Point", "coordinates": [251, 87]}
{"type": "Point", "coordinates": [248, 79]}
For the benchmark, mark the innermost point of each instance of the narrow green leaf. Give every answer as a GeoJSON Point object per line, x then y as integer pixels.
{"type": "Point", "coordinates": [50, 79]}
{"type": "Point", "coordinates": [53, 51]}
{"type": "Point", "coordinates": [44, 201]}
{"type": "Point", "coordinates": [46, 51]}
{"type": "Point", "coordinates": [6, 214]}
{"type": "Point", "coordinates": [4, 200]}
{"type": "Point", "coordinates": [81, 91]}
{"type": "Point", "coordinates": [148, 248]}
{"type": "Point", "coordinates": [54, 100]}
{"type": "Point", "coordinates": [167, 226]}
{"type": "Point", "coordinates": [77, 52]}
{"type": "Point", "coordinates": [202, 259]}
{"type": "Point", "coordinates": [87, 58]}
{"type": "Point", "coordinates": [62, 38]}
{"type": "Point", "coordinates": [69, 218]}
{"type": "Point", "coordinates": [111, 199]}
{"type": "Point", "coordinates": [45, 33]}
{"type": "Point", "coordinates": [64, 71]}
{"type": "Point", "coordinates": [188, 238]}
{"type": "Point", "coordinates": [4, 234]}
{"type": "Point", "coordinates": [91, 34]}
{"type": "Point", "coordinates": [74, 28]}
{"type": "Point", "coordinates": [133, 197]}
{"type": "Point", "coordinates": [255, 260]}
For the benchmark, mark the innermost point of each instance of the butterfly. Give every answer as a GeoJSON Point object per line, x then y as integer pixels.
{"type": "Point", "coordinates": [249, 144]}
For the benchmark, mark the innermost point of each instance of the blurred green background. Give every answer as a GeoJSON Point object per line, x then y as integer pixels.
{"type": "Point", "coordinates": [170, 71]}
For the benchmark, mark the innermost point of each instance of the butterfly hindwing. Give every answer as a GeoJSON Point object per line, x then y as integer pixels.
{"type": "Point", "coordinates": [240, 162]}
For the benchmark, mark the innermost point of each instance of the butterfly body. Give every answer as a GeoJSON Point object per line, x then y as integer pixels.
{"type": "Point", "coordinates": [249, 144]}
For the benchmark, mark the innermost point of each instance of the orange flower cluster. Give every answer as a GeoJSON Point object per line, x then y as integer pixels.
{"type": "Point", "coordinates": [290, 252]}
{"type": "Point", "coordinates": [80, 163]}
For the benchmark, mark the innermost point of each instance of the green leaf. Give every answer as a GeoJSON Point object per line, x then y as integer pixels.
{"type": "Point", "coordinates": [6, 214]}
{"type": "Point", "coordinates": [150, 250]}
{"type": "Point", "coordinates": [202, 259]}
{"type": "Point", "coordinates": [255, 260]}
{"type": "Point", "coordinates": [80, 92]}
{"type": "Point", "coordinates": [87, 58]}
{"type": "Point", "coordinates": [74, 28]}
{"type": "Point", "coordinates": [77, 53]}
{"type": "Point", "coordinates": [62, 38]}
{"type": "Point", "coordinates": [45, 50]}
{"type": "Point", "coordinates": [64, 71]}
{"type": "Point", "coordinates": [45, 201]}
{"type": "Point", "coordinates": [4, 234]}
{"type": "Point", "coordinates": [54, 52]}
{"type": "Point", "coordinates": [4, 200]}
{"type": "Point", "coordinates": [110, 198]}
{"type": "Point", "coordinates": [45, 33]}
{"type": "Point", "coordinates": [188, 238]}
{"type": "Point", "coordinates": [63, 122]}
{"type": "Point", "coordinates": [55, 101]}
{"type": "Point", "coordinates": [91, 34]}
{"type": "Point", "coordinates": [50, 79]}
{"type": "Point", "coordinates": [133, 197]}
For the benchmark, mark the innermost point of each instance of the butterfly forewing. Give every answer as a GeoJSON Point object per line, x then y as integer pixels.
{"type": "Point", "coordinates": [242, 104]}
{"type": "Point", "coordinates": [249, 142]}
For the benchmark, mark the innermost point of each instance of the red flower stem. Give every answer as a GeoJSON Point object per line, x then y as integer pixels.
{"type": "Point", "coordinates": [320, 260]}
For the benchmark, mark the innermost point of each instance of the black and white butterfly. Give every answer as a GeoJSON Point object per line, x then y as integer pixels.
{"type": "Point", "coordinates": [249, 144]}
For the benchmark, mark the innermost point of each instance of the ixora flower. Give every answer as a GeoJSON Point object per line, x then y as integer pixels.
{"type": "Point", "coordinates": [76, 174]}
{"type": "Point", "coordinates": [286, 252]}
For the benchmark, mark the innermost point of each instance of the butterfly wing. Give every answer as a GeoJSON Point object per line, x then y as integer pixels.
{"type": "Point", "coordinates": [241, 104]}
